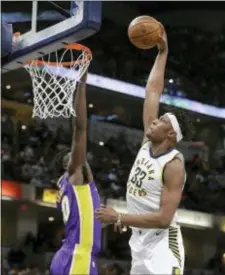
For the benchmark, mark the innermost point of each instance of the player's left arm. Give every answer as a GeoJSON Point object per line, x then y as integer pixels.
{"type": "Point", "coordinates": [79, 139]}
{"type": "Point", "coordinates": [174, 175]}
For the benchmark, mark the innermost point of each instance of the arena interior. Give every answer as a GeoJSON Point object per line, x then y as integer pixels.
{"type": "Point", "coordinates": [31, 227]}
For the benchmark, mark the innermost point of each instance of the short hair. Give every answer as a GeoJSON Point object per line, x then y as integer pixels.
{"type": "Point", "coordinates": [185, 122]}
{"type": "Point", "coordinates": [58, 165]}
{"type": "Point", "coordinates": [58, 161]}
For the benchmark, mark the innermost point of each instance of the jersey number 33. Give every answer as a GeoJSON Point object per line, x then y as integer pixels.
{"type": "Point", "coordinates": [138, 177]}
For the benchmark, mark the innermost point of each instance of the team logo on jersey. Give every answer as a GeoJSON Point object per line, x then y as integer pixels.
{"type": "Point", "coordinates": [142, 171]}
{"type": "Point", "coordinates": [176, 271]}
{"type": "Point", "coordinates": [138, 192]}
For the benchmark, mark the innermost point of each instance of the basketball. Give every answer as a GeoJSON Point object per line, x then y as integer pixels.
{"type": "Point", "coordinates": [144, 32]}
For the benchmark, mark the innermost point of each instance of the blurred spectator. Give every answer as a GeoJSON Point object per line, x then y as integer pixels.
{"type": "Point", "coordinates": [204, 189]}
{"type": "Point", "coordinates": [186, 69]}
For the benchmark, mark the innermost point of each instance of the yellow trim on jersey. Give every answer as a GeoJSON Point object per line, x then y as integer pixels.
{"type": "Point", "coordinates": [173, 243]}
{"type": "Point", "coordinates": [81, 261]}
{"type": "Point", "coordinates": [176, 271]}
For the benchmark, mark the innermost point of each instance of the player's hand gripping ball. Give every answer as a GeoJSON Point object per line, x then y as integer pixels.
{"type": "Point", "coordinates": [144, 32]}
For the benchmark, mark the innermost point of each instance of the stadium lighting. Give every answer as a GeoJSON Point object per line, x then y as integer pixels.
{"type": "Point", "coordinates": [130, 89]}
{"type": "Point", "coordinates": [51, 219]}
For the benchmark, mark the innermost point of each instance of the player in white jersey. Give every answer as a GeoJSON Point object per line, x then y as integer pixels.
{"type": "Point", "coordinates": [155, 184]}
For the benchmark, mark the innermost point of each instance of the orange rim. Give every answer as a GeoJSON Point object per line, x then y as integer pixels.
{"type": "Point", "coordinates": [73, 46]}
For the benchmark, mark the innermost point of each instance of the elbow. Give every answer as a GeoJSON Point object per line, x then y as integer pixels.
{"type": "Point", "coordinates": [164, 222]}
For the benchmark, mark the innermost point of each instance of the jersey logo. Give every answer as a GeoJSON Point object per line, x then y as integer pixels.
{"type": "Point", "coordinates": [142, 171]}
{"type": "Point", "coordinates": [145, 169]}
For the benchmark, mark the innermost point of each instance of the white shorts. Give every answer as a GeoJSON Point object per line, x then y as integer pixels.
{"type": "Point", "coordinates": [163, 257]}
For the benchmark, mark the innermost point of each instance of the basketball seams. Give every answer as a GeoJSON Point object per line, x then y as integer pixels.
{"type": "Point", "coordinates": [144, 22]}
{"type": "Point", "coordinates": [143, 35]}
{"type": "Point", "coordinates": [142, 19]}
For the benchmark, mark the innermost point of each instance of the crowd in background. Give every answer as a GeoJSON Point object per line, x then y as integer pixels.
{"type": "Point", "coordinates": [28, 152]}
{"type": "Point", "coordinates": [16, 262]}
{"type": "Point", "coordinates": [196, 61]}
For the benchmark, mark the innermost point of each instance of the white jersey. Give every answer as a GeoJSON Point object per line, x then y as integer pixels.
{"type": "Point", "coordinates": [151, 247]}
{"type": "Point", "coordinates": [145, 183]}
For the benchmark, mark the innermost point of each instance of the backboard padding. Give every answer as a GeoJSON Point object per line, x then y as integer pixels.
{"type": "Point", "coordinates": [73, 29]}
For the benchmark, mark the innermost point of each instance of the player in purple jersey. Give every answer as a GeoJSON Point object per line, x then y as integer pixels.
{"type": "Point", "coordinates": [78, 199]}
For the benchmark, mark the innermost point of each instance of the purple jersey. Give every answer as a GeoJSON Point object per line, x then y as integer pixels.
{"type": "Point", "coordinates": [82, 231]}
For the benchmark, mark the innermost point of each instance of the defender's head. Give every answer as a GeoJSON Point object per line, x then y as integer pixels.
{"type": "Point", "coordinates": [60, 164]}
{"type": "Point", "coordinates": [172, 126]}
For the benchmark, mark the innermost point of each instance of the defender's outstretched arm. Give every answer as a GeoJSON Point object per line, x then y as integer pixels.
{"type": "Point", "coordinates": [79, 140]}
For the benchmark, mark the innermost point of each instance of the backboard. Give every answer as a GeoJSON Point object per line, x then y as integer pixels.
{"type": "Point", "coordinates": [46, 26]}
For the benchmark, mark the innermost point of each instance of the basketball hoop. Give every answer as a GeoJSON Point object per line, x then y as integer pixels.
{"type": "Point", "coordinates": [54, 83]}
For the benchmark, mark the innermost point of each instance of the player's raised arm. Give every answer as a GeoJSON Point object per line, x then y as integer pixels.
{"type": "Point", "coordinates": [79, 140]}
{"type": "Point", "coordinates": [155, 84]}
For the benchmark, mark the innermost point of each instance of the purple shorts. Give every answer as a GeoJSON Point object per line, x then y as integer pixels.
{"type": "Point", "coordinates": [65, 262]}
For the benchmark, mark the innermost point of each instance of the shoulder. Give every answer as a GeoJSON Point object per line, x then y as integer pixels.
{"type": "Point", "coordinates": [179, 156]}
{"type": "Point", "coordinates": [174, 171]}
{"type": "Point", "coordinates": [175, 165]}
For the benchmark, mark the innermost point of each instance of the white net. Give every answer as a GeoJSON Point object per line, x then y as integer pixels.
{"type": "Point", "coordinates": [54, 86]}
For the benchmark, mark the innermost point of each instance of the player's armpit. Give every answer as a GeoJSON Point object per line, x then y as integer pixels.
{"type": "Point", "coordinates": [174, 176]}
